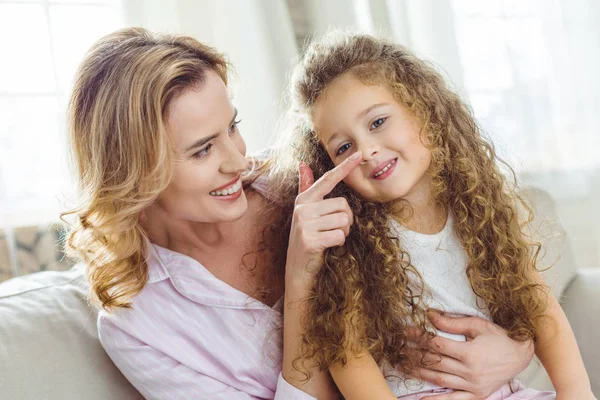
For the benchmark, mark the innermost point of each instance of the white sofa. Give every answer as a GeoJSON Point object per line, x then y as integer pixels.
{"type": "Point", "coordinates": [49, 348]}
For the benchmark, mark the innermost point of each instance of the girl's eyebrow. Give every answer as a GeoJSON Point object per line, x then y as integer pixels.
{"type": "Point", "coordinates": [359, 116]}
{"type": "Point", "coordinates": [370, 108]}
{"type": "Point", "coordinates": [331, 139]}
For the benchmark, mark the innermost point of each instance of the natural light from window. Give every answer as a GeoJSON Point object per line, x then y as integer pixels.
{"type": "Point", "coordinates": [42, 44]}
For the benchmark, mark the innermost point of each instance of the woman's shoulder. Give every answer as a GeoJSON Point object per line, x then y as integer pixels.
{"type": "Point", "coordinates": [179, 288]}
{"type": "Point", "coordinates": [151, 300]}
{"type": "Point", "coordinates": [154, 298]}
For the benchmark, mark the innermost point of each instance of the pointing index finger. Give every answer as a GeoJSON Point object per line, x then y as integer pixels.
{"type": "Point", "coordinates": [327, 182]}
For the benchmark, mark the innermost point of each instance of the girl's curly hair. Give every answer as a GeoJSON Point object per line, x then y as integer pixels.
{"type": "Point", "coordinates": [368, 288]}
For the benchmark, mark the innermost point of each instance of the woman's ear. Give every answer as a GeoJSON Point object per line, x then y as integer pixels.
{"type": "Point", "coordinates": [142, 217]}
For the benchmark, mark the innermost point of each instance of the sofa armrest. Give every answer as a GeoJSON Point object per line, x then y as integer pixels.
{"type": "Point", "coordinates": [581, 303]}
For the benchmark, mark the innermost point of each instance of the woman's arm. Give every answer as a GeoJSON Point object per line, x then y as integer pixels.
{"type": "Point", "coordinates": [317, 224]}
{"type": "Point", "coordinates": [558, 351]}
{"type": "Point", "coordinates": [361, 379]}
{"type": "Point", "coordinates": [320, 384]}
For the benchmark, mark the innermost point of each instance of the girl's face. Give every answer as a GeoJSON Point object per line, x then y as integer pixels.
{"type": "Point", "coordinates": [351, 116]}
{"type": "Point", "coordinates": [209, 156]}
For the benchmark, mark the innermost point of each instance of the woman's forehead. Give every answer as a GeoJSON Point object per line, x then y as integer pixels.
{"type": "Point", "coordinates": [199, 110]}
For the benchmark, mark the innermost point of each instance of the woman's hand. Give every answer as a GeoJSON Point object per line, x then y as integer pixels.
{"type": "Point", "coordinates": [317, 223]}
{"type": "Point", "coordinates": [475, 368]}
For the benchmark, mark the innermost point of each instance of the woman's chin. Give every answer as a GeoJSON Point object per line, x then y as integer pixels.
{"type": "Point", "coordinates": [233, 211]}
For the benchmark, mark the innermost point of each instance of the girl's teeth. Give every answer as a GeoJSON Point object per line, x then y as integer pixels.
{"type": "Point", "coordinates": [385, 168]}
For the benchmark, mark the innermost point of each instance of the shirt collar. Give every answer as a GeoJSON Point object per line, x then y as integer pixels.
{"type": "Point", "coordinates": [191, 279]}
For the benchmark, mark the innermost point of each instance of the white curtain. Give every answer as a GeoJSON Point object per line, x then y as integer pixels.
{"type": "Point", "coordinates": [42, 43]}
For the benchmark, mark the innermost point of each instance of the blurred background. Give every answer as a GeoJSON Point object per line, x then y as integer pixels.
{"type": "Point", "coordinates": [529, 69]}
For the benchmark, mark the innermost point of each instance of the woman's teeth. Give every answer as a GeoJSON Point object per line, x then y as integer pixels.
{"type": "Point", "coordinates": [385, 168]}
{"type": "Point", "coordinates": [233, 189]}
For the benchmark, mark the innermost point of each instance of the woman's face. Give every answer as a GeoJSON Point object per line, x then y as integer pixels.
{"type": "Point", "coordinates": [209, 156]}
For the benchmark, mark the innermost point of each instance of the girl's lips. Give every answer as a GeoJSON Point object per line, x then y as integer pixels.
{"type": "Point", "coordinates": [381, 166]}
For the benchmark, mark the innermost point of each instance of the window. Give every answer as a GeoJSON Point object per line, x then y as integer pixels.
{"type": "Point", "coordinates": [42, 44]}
{"type": "Point", "coordinates": [527, 72]}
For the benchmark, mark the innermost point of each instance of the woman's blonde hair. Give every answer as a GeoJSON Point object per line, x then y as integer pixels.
{"type": "Point", "coordinates": [368, 288]}
{"type": "Point", "coordinates": [117, 117]}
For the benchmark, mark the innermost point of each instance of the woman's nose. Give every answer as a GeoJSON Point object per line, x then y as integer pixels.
{"type": "Point", "coordinates": [234, 160]}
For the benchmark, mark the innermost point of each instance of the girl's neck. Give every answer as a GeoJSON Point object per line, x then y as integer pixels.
{"type": "Point", "coordinates": [419, 211]}
{"type": "Point", "coordinates": [429, 221]}
{"type": "Point", "coordinates": [426, 216]}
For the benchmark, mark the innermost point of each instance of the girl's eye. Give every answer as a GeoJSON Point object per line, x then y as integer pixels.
{"type": "Point", "coordinates": [377, 123]}
{"type": "Point", "coordinates": [203, 152]}
{"type": "Point", "coordinates": [343, 149]}
{"type": "Point", "coordinates": [234, 127]}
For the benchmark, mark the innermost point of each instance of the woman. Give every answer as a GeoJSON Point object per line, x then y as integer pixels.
{"type": "Point", "coordinates": [186, 252]}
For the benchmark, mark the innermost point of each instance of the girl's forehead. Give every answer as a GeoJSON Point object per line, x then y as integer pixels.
{"type": "Point", "coordinates": [350, 98]}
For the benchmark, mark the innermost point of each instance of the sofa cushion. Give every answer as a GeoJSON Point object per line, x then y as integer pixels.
{"type": "Point", "coordinates": [48, 342]}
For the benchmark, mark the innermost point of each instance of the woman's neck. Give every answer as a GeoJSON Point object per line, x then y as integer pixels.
{"type": "Point", "coordinates": [185, 236]}
{"type": "Point", "coordinates": [228, 250]}
{"type": "Point", "coordinates": [176, 234]}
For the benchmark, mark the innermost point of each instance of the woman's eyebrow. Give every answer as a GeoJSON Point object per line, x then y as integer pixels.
{"type": "Point", "coordinates": [201, 142]}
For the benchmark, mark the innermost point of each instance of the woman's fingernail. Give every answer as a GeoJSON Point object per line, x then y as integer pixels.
{"type": "Point", "coordinates": [355, 156]}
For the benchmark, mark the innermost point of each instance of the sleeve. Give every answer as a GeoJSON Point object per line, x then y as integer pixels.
{"type": "Point", "coordinates": [261, 182]}
{"type": "Point", "coordinates": [157, 376]}
{"type": "Point", "coordinates": [285, 391]}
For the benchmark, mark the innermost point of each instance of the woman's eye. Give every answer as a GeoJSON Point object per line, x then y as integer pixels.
{"type": "Point", "coordinates": [203, 152]}
{"type": "Point", "coordinates": [234, 127]}
{"type": "Point", "coordinates": [343, 149]}
{"type": "Point", "coordinates": [377, 123]}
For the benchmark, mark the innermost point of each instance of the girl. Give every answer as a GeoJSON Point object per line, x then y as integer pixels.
{"type": "Point", "coordinates": [436, 225]}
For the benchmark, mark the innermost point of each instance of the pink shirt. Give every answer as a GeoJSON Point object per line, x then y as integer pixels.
{"type": "Point", "coordinates": [190, 335]}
